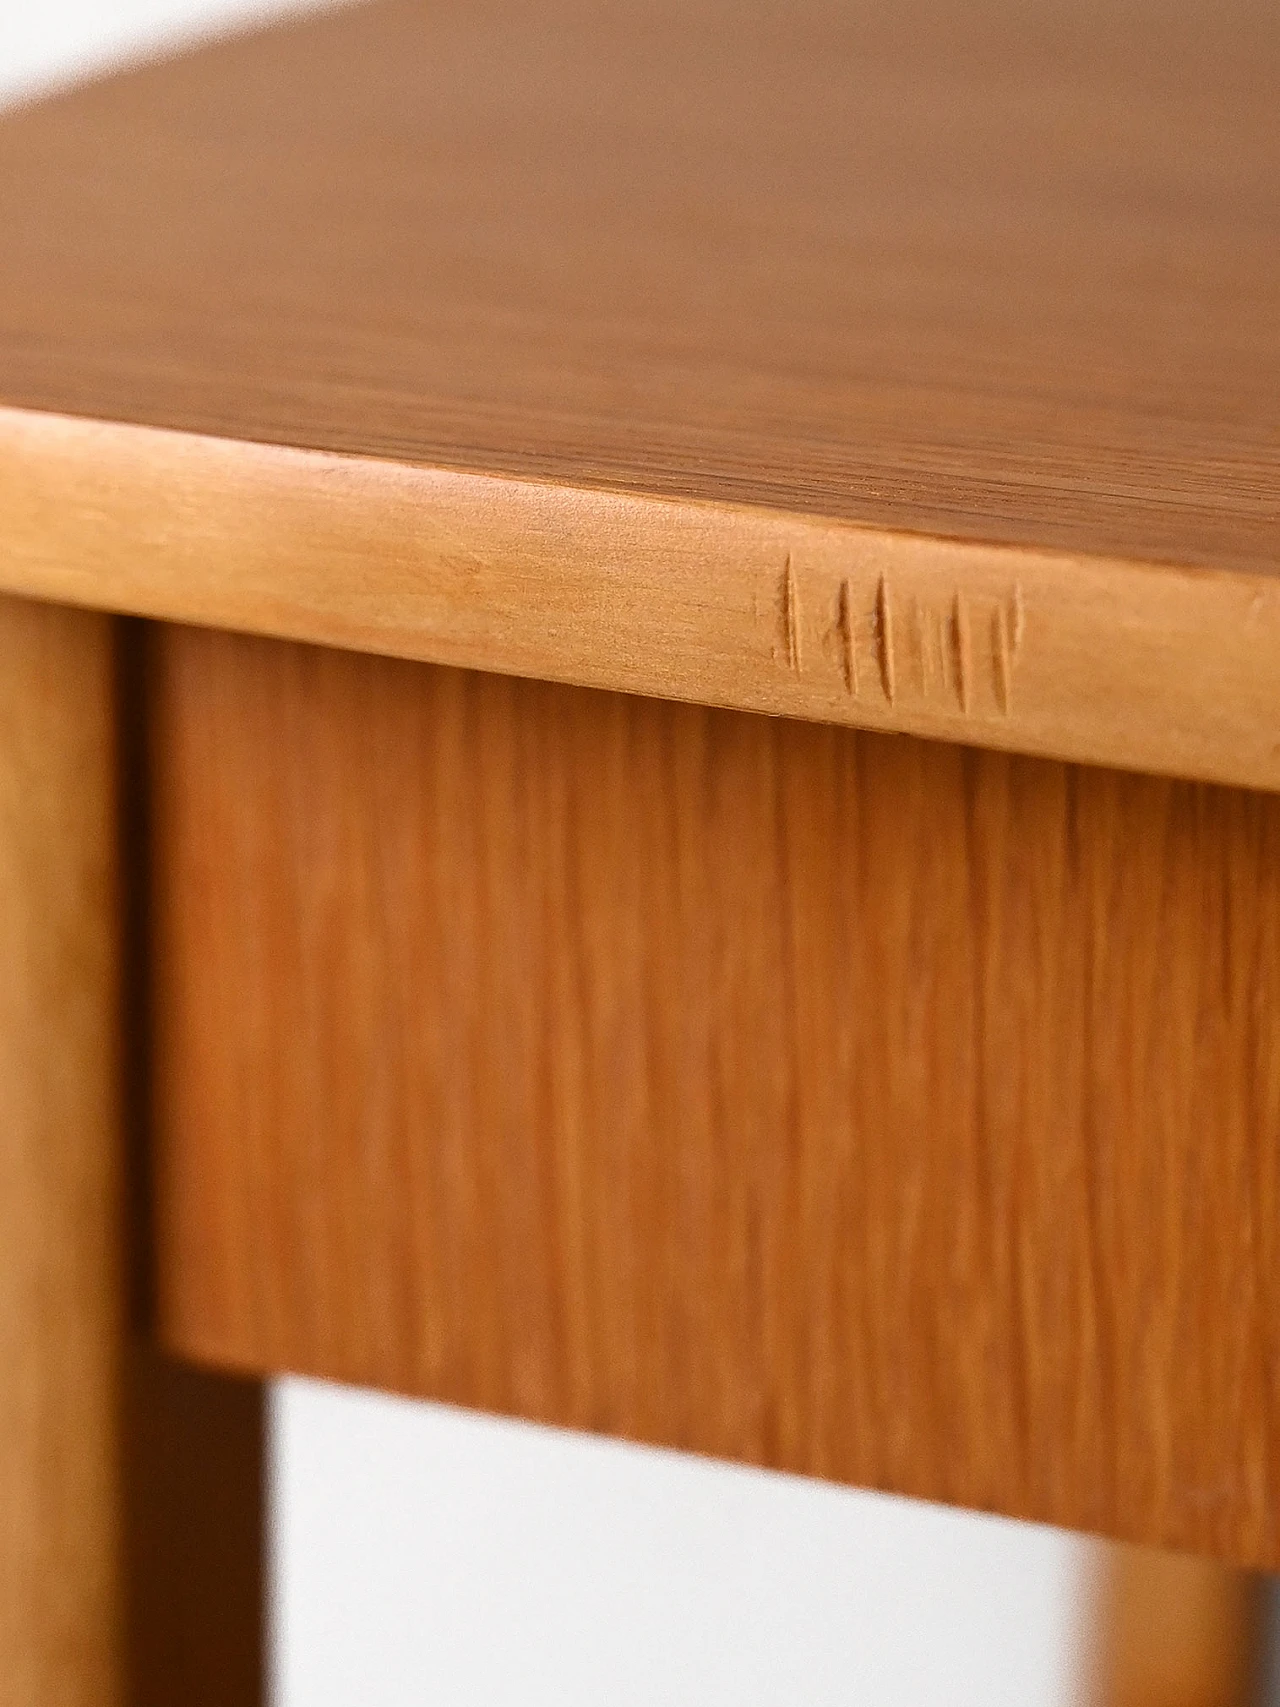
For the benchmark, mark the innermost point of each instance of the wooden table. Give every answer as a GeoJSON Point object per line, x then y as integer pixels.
{"type": "Point", "coordinates": [417, 964]}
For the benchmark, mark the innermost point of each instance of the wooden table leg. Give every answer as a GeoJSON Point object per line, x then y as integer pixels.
{"type": "Point", "coordinates": [1178, 1631]}
{"type": "Point", "coordinates": [62, 1306]}
{"type": "Point", "coordinates": [130, 1501]}
{"type": "Point", "coordinates": [193, 1536]}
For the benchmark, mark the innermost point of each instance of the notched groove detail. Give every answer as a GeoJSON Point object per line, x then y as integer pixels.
{"type": "Point", "coordinates": [884, 639]}
{"type": "Point", "coordinates": [935, 665]}
{"type": "Point", "coordinates": [962, 650]}
{"type": "Point", "coordinates": [1000, 657]}
{"type": "Point", "coordinates": [790, 600]}
{"type": "Point", "coordinates": [847, 624]}
{"type": "Point", "coordinates": [938, 641]}
{"type": "Point", "coordinates": [1008, 626]}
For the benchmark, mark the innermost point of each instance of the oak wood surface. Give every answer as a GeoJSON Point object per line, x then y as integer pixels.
{"type": "Point", "coordinates": [130, 1503]}
{"type": "Point", "coordinates": [1177, 1631]}
{"type": "Point", "coordinates": [191, 1444]}
{"type": "Point", "coordinates": [884, 1110]}
{"type": "Point", "coordinates": [62, 1277]}
{"type": "Point", "coordinates": [905, 365]}
{"type": "Point", "coordinates": [195, 1543]}
{"type": "Point", "coordinates": [1161, 670]}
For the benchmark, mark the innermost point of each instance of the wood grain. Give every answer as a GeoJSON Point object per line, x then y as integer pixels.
{"type": "Point", "coordinates": [130, 1503]}
{"type": "Point", "coordinates": [620, 314]}
{"type": "Point", "coordinates": [191, 1446]}
{"type": "Point", "coordinates": [62, 1284]}
{"type": "Point", "coordinates": [1122, 664]}
{"type": "Point", "coordinates": [963, 268]}
{"type": "Point", "coordinates": [877, 1109]}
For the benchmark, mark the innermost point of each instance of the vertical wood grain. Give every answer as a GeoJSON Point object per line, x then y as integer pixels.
{"type": "Point", "coordinates": [887, 1111]}
{"type": "Point", "coordinates": [62, 1303]}
{"type": "Point", "coordinates": [192, 1442]}
{"type": "Point", "coordinates": [130, 1496]}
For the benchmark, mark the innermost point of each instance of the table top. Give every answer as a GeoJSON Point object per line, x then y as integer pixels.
{"type": "Point", "coordinates": [911, 365]}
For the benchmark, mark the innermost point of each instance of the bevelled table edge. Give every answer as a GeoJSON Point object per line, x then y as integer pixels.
{"type": "Point", "coordinates": [1086, 658]}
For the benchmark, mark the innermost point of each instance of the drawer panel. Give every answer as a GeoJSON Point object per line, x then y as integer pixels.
{"type": "Point", "coordinates": [883, 1110]}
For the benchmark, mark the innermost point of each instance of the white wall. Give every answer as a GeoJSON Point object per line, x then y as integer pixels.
{"type": "Point", "coordinates": [44, 43]}
{"type": "Point", "coordinates": [420, 1555]}
{"type": "Point", "coordinates": [423, 1555]}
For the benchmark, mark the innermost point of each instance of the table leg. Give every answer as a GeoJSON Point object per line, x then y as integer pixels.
{"type": "Point", "coordinates": [1179, 1631]}
{"type": "Point", "coordinates": [62, 1304]}
{"type": "Point", "coordinates": [130, 1503]}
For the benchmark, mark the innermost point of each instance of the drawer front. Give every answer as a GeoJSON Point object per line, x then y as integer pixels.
{"type": "Point", "coordinates": [878, 1109]}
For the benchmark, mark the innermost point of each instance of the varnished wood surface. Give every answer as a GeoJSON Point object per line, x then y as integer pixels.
{"type": "Point", "coordinates": [194, 1558]}
{"type": "Point", "coordinates": [191, 1444]}
{"type": "Point", "coordinates": [1177, 1631]}
{"type": "Point", "coordinates": [975, 269]}
{"type": "Point", "coordinates": [884, 1110]}
{"type": "Point", "coordinates": [130, 1504]}
{"type": "Point", "coordinates": [1158, 669]}
{"type": "Point", "coordinates": [820, 341]}
{"type": "Point", "coordinates": [62, 1281]}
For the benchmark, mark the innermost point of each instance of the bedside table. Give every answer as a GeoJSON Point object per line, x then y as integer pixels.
{"type": "Point", "coordinates": [414, 932]}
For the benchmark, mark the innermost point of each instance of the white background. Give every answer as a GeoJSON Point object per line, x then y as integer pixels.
{"type": "Point", "coordinates": [422, 1556]}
